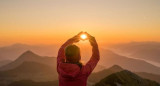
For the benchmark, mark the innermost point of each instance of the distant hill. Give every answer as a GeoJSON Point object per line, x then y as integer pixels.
{"type": "Point", "coordinates": [38, 73]}
{"type": "Point", "coordinates": [96, 77]}
{"type": "Point", "coordinates": [30, 66]}
{"type": "Point", "coordinates": [29, 71]}
{"type": "Point", "coordinates": [125, 78]}
{"type": "Point", "coordinates": [110, 58]}
{"type": "Point", "coordinates": [13, 51]}
{"type": "Point", "coordinates": [32, 57]}
{"type": "Point", "coordinates": [4, 62]}
{"type": "Point", "coordinates": [143, 50]}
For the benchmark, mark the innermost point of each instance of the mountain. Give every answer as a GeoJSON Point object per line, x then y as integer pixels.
{"type": "Point", "coordinates": [13, 51]}
{"type": "Point", "coordinates": [32, 57]}
{"type": "Point", "coordinates": [4, 62]}
{"type": "Point", "coordinates": [142, 50]}
{"type": "Point", "coordinates": [110, 58]}
{"type": "Point", "coordinates": [95, 77]}
{"type": "Point", "coordinates": [29, 71]}
{"type": "Point", "coordinates": [29, 66]}
{"type": "Point", "coordinates": [125, 78]}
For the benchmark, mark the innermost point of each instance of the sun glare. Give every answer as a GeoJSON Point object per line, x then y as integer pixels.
{"type": "Point", "coordinates": [83, 36]}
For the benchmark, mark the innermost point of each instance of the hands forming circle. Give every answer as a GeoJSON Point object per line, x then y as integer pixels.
{"type": "Point", "coordinates": [83, 36]}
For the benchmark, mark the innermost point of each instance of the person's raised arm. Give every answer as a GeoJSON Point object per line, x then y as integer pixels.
{"type": "Point", "coordinates": [91, 64]}
{"type": "Point", "coordinates": [61, 52]}
{"type": "Point", "coordinates": [95, 49]}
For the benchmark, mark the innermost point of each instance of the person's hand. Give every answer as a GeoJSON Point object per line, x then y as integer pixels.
{"type": "Point", "coordinates": [91, 39]}
{"type": "Point", "coordinates": [75, 38]}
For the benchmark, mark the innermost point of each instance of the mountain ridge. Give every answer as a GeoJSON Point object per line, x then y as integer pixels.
{"type": "Point", "coordinates": [110, 58]}
{"type": "Point", "coordinates": [29, 56]}
{"type": "Point", "coordinates": [125, 78]}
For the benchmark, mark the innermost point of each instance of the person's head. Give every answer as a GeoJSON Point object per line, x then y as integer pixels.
{"type": "Point", "coordinates": [72, 53]}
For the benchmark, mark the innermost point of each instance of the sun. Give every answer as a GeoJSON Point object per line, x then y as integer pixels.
{"type": "Point", "coordinates": [83, 36]}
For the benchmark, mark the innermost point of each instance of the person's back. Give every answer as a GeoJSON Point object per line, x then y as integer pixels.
{"type": "Point", "coordinates": [71, 71]}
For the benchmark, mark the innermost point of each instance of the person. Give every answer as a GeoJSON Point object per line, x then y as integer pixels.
{"type": "Point", "coordinates": [69, 67]}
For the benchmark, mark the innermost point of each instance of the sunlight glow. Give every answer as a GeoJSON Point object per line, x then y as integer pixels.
{"type": "Point", "coordinates": [83, 36]}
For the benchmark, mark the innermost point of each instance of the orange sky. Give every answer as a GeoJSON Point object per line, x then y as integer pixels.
{"type": "Point", "coordinates": [54, 21]}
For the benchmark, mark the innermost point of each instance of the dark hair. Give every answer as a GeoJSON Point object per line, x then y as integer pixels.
{"type": "Point", "coordinates": [72, 53]}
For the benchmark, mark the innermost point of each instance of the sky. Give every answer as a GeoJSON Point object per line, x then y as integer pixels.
{"type": "Point", "coordinates": [55, 21]}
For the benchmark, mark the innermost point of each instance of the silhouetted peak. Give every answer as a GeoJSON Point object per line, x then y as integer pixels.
{"type": "Point", "coordinates": [125, 77]}
{"type": "Point", "coordinates": [116, 67]}
{"type": "Point", "coordinates": [28, 54]}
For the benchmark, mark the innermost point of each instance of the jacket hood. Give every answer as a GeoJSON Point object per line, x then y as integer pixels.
{"type": "Point", "coordinates": [68, 70]}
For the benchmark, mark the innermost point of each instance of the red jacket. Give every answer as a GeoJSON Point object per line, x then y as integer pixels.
{"type": "Point", "coordinates": [71, 74]}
